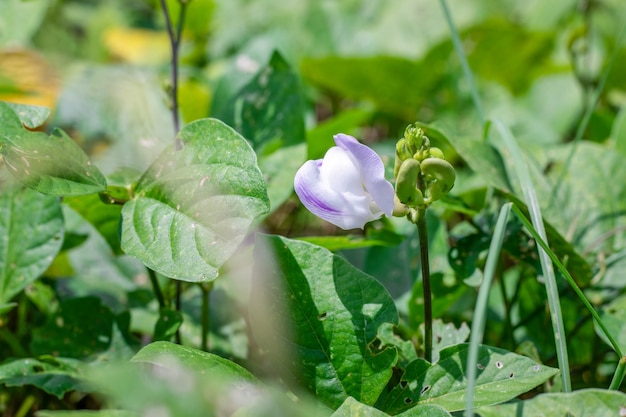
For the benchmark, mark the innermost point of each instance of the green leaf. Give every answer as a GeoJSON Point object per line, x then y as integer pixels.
{"type": "Point", "coordinates": [80, 328]}
{"type": "Point", "coordinates": [56, 376]}
{"type": "Point", "coordinates": [19, 30]}
{"type": "Point", "coordinates": [353, 408]}
{"type": "Point", "coordinates": [502, 376]}
{"type": "Point", "coordinates": [582, 403]}
{"type": "Point", "coordinates": [31, 235]}
{"type": "Point", "coordinates": [30, 116]}
{"type": "Point", "coordinates": [194, 206]}
{"type": "Point", "coordinates": [169, 355]}
{"type": "Point", "coordinates": [52, 165]}
{"type": "Point", "coordinates": [332, 313]}
{"type": "Point", "coordinates": [169, 321]}
{"type": "Point", "coordinates": [269, 109]}
{"type": "Point", "coordinates": [394, 84]}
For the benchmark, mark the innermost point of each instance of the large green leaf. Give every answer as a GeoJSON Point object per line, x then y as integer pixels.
{"type": "Point", "coordinates": [194, 206]}
{"type": "Point", "coordinates": [19, 20]}
{"type": "Point", "coordinates": [169, 355]}
{"type": "Point", "coordinates": [353, 408]}
{"type": "Point", "coordinates": [332, 312]}
{"type": "Point", "coordinates": [268, 110]}
{"type": "Point", "coordinates": [56, 376]}
{"type": "Point", "coordinates": [583, 403]}
{"type": "Point", "coordinates": [502, 376]}
{"type": "Point", "coordinates": [53, 165]}
{"type": "Point", "coordinates": [31, 234]}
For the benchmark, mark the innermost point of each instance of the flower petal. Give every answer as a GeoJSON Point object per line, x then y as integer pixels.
{"type": "Point", "coordinates": [372, 170]}
{"type": "Point", "coordinates": [343, 209]}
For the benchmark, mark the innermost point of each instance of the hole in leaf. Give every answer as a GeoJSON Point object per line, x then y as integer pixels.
{"type": "Point", "coordinates": [480, 366]}
{"type": "Point", "coordinates": [425, 389]}
{"type": "Point", "coordinates": [403, 384]}
{"type": "Point", "coordinates": [322, 316]}
{"type": "Point", "coordinates": [511, 375]}
{"type": "Point", "coordinates": [499, 364]}
{"type": "Point", "coordinates": [407, 400]}
{"type": "Point", "coordinates": [536, 368]}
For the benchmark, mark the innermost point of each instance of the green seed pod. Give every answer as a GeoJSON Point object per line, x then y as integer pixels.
{"type": "Point", "coordinates": [436, 152]}
{"type": "Point", "coordinates": [406, 184]}
{"type": "Point", "coordinates": [441, 171]}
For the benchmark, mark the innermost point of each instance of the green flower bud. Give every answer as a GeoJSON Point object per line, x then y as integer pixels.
{"type": "Point", "coordinates": [436, 152]}
{"type": "Point", "coordinates": [440, 172]}
{"type": "Point", "coordinates": [406, 184]}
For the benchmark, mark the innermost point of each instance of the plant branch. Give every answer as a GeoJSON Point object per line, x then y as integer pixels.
{"type": "Point", "coordinates": [156, 288]}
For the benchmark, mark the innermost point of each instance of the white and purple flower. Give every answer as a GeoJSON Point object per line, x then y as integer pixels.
{"type": "Point", "coordinates": [348, 187]}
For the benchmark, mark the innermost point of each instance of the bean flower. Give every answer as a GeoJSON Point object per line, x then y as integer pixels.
{"type": "Point", "coordinates": [348, 187]}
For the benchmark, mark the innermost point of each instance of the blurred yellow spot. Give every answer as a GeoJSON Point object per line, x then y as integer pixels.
{"type": "Point", "coordinates": [27, 78]}
{"type": "Point", "coordinates": [137, 46]}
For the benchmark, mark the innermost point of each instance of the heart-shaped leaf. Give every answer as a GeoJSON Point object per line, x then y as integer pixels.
{"type": "Point", "coordinates": [194, 206]}
{"type": "Point", "coordinates": [502, 376]}
{"type": "Point", "coordinates": [332, 313]}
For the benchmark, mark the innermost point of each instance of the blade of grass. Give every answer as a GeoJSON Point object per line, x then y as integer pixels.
{"type": "Point", "coordinates": [542, 243]}
{"type": "Point", "coordinates": [480, 312]}
{"type": "Point", "coordinates": [523, 174]}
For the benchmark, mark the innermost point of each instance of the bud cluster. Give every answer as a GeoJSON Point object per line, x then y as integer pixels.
{"type": "Point", "coordinates": [422, 174]}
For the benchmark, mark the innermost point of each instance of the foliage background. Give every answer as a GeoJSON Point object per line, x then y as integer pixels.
{"type": "Point", "coordinates": [363, 68]}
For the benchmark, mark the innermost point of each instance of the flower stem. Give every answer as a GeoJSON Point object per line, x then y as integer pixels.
{"type": "Point", "coordinates": [422, 233]}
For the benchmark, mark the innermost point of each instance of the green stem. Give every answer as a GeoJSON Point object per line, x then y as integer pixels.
{"type": "Point", "coordinates": [177, 305]}
{"type": "Point", "coordinates": [618, 377]}
{"type": "Point", "coordinates": [156, 288]}
{"type": "Point", "coordinates": [175, 36]}
{"type": "Point", "coordinates": [206, 318]}
{"type": "Point", "coordinates": [422, 233]}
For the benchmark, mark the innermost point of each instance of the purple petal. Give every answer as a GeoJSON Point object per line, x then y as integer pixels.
{"type": "Point", "coordinates": [347, 210]}
{"type": "Point", "coordinates": [372, 171]}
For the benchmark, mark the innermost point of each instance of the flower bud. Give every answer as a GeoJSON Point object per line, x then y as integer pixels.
{"type": "Point", "coordinates": [439, 171]}
{"type": "Point", "coordinates": [406, 184]}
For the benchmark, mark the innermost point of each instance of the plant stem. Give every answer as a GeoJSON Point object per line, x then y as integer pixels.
{"type": "Point", "coordinates": [422, 233]}
{"type": "Point", "coordinates": [156, 288]}
{"type": "Point", "coordinates": [175, 37]}
{"type": "Point", "coordinates": [177, 304]}
{"type": "Point", "coordinates": [206, 318]}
